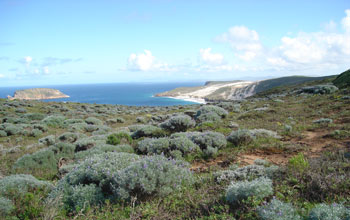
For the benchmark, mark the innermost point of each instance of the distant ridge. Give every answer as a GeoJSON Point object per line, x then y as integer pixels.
{"type": "Point", "coordinates": [37, 94]}
{"type": "Point", "coordinates": [234, 90]}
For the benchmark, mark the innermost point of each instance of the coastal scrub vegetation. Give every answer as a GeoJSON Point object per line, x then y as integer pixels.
{"type": "Point", "coordinates": [281, 154]}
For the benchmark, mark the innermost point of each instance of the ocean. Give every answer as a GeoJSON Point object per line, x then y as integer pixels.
{"type": "Point", "coordinates": [132, 94]}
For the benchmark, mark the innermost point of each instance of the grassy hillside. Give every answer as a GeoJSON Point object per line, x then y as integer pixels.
{"type": "Point", "coordinates": [343, 80]}
{"type": "Point", "coordinates": [284, 81]}
{"type": "Point", "coordinates": [255, 159]}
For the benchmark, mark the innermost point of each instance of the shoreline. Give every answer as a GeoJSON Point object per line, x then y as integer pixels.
{"type": "Point", "coordinates": [186, 98]}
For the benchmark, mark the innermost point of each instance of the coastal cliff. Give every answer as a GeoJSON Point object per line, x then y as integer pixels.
{"type": "Point", "coordinates": [232, 90]}
{"type": "Point", "coordinates": [37, 94]}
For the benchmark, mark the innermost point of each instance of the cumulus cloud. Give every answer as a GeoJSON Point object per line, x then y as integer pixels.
{"type": "Point", "coordinates": [2, 76]}
{"type": "Point", "coordinates": [146, 62]}
{"type": "Point", "coordinates": [244, 42]}
{"type": "Point", "coordinates": [346, 21]}
{"type": "Point", "coordinates": [211, 58]}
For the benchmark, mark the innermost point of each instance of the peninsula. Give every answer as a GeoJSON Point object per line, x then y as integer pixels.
{"type": "Point", "coordinates": [37, 94]}
{"type": "Point", "coordinates": [232, 90]}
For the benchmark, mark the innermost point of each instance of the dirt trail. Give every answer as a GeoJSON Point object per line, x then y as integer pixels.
{"type": "Point", "coordinates": [312, 143]}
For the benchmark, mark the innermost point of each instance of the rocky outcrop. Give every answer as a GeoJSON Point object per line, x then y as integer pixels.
{"type": "Point", "coordinates": [37, 94]}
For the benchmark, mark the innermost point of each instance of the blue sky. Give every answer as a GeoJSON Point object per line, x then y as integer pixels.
{"type": "Point", "coordinates": [74, 42]}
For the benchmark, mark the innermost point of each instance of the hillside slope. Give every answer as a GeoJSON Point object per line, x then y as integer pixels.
{"type": "Point", "coordinates": [234, 90]}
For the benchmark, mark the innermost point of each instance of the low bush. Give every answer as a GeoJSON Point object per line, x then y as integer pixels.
{"type": "Point", "coordinates": [323, 121]}
{"type": "Point", "coordinates": [329, 212]}
{"type": "Point", "coordinates": [6, 207]}
{"type": "Point", "coordinates": [151, 176]}
{"type": "Point", "coordinates": [93, 121]}
{"type": "Point", "coordinates": [153, 146]}
{"type": "Point", "coordinates": [100, 149]}
{"type": "Point", "coordinates": [35, 133]}
{"type": "Point", "coordinates": [209, 117]}
{"type": "Point", "coordinates": [118, 138]}
{"type": "Point", "coordinates": [43, 163]}
{"type": "Point", "coordinates": [3, 133]}
{"type": "Point", "coordinates": [148, 131]}
{"type": "Point", "coordinates": [48, 140]}
{"type": "Point", "coordinates": [278, 210]}
{"type": "Point", "coordinates": [56, 121]}
{"type": "Point", "coordinates": [242, 190]}
{"type": "Point", "coordinates": [18, 185]}
{"type": "Point", "coordinates": [318, 89]}
{"type": "Point", "coordinates": [70, 137]}
{"type": "Point", "coordinates": [118, 177]}
{"type": "Point", "coordinates": [178, 123]}
{"type": "Point", "coordinates": [241, 137]}
{"type": "Point", "coordinates": [212, 109]}
{"type": "Point", "coordinates": [41, 127]}
{"type": "Point", "coordinates": [34, 116]}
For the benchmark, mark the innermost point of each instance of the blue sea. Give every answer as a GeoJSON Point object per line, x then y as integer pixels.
{"type": "Point", "coordinates": [133, 94]}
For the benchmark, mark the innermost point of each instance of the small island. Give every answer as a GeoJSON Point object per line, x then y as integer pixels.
{"type": "Point", "coordinates": [37, 94]}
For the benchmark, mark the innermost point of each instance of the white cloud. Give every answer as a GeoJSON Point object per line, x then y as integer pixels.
{"type": "Point", "coordinates": [28, 59]}
{"type": "Point", "coordinates": [211, 58]}
{"type": "Point", "coordinates": [346, 21]}
{"type": "Point", "coordinates": [2, 76]}
{"type": "Point", "coordinates": [46, 70]}
{"type": "Point", "coordinates": [244, 42]}
{"type": "Point", "coordinates": [146, 62]}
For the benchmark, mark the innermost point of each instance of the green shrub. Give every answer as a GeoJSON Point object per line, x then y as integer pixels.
{"type": "Point", "coordinates": [34, 116]}
{"type": "Point", "coordinates": [6, 207]}
{"type": "Point", "coordinates": [242, 190]}
{"type": "Point", "coordinates": [178, 123]}
{"type": "Point", "coordinates": [329, 212]}
{"type": "Point", "coordinates": [318, 89]}
{"type": "Point", "coordinates": [208, 142]}
{"type": "Point", "coordinates": [241, 137]}
{"type": "Point", "coordinates": [44, 162]}
{"type": "Point", "coordinates": [82, 196]}
{"type": "Point", "coordinates": [153, 146]}
{"type": "Point", "coordinates": [48, 140]}
{"type": "Point", "coordinates": [55, 121]}
{"type": "Point", "coordinates": [148, 131]}
{"type": "Point", "coordinates": [93, 121]}
{"type": "Point", "coordinates": [323, 121]}
{"type": "Point", "coordinates": [100, 149]}
{"type": "Point", "coordinates": [35, 133]}
{"type": "Point", "coordinates": [209, 117]}
{"type": "Point", "coordinates": [70, 137]}
{"type": "Point", "coordinates": [121, 137]}
{"type": "Point", "coordinates": [97, 171]}
{"type": "Point", "coordinates": [298, 163]}
{"type": "Point", "coordinates": [18, 185]}
{"type": "Point", "coordinates": [41, 127]}
{"type": "Point", "coordinates": [3, 133]}
{"type": "Point", "coordinates": [12, 129]}
{"type": "Point", "coordinates": [212, 109]}
{"type": "Point", "coordinates": [277, 210]}
{"type": "Point", "coordinates": [152, 176]}
{"type": "Point", "coordinates": [118, 176]}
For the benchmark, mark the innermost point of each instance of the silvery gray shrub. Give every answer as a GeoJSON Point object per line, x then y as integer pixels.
{"type": "Point", "coordinates": [178, 123]}
{"type": "Point", "coordinates": [212, 109]}
{"type": "Point", "coordinates": [242, 190]}
{"type": "Point", "coordinates": [6, 207]}
{"type": "Point", "coordinates": [277, 210]}
{"type": "Point", "coordinates": [241, 137]}
{"type": "Point", "coordinates": [120, 176]}
{"type": "Point", "coordinates": [93, 121]}
{"type": "Point", "coordinates": [54, 121]}
{"type": "Point", "coordinates": [329, 212]}
{"type": "Point", "coordinates": [19, 184]}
